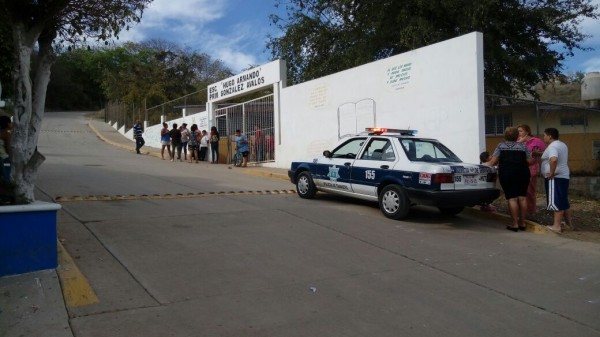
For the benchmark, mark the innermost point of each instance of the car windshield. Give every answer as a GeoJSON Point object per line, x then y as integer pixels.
{"type": "Point", "coordinates": [427, 150]}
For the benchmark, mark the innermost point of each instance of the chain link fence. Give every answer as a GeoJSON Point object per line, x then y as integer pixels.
{"type": "Point", "coordinates": [191, 103]}
{"type": "Point", "coordinates": [127, 114]}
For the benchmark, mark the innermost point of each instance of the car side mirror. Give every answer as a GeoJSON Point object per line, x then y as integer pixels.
{"type": "Point", "coordinates": [327, 153]}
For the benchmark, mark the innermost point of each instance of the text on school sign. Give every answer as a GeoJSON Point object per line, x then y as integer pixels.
{"type": "Point", "coordinates": [250, 80]}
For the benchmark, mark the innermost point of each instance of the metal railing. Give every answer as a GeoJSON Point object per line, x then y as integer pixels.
{"type": "Point", "coordinates": [255, 119]}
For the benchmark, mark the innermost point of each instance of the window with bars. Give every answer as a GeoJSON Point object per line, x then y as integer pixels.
{"type": "Point", "coordinates": [573, 120]}
{"type": "Point", "coordinates": [496, 124]}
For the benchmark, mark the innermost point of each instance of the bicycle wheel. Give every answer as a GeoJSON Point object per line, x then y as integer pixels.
{"type": "Point", "coordinates": [237, 159]}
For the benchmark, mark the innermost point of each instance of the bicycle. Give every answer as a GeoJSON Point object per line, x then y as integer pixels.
{"type": "Point", "coordinates": [237, 159]}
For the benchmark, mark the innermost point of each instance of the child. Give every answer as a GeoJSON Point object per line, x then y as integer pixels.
{"type": "Point", "coordinates": [484, 157]}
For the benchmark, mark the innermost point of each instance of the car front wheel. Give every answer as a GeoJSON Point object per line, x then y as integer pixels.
{"type": "Point", "coordinates": [305, 187]}
{"type": "Point", "coordinates": [393, 202]}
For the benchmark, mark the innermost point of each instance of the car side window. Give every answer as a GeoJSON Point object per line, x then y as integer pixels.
{"type": "Point", "coordinates": [349, 149]}
{"type": "Point", "coordinates": [410, 149]}
{"type": "Point", "coordinates": [427, 151]}
{"type": "Point", "coordinates": [379, 149]}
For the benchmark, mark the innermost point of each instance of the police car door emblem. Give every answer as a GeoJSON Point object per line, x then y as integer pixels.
{"type": "Point", "coordinates": [333, 173]}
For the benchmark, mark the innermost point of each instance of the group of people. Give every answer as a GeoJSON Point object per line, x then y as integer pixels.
{"type": "Point", "coordinates": [193, 140]}
{"type": "Point", "coordinates": [261, 144]}
{"type": "Point", "coordinates": [180, 140]}
{"type": "Point", "coordinates": [519, 160]}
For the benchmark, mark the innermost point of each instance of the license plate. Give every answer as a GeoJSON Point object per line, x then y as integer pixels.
{"type": "Point", "coordinates": [467, 179]}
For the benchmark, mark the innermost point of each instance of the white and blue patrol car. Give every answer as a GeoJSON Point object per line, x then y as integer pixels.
{"type": "Point", "coordinates": [397, 169]}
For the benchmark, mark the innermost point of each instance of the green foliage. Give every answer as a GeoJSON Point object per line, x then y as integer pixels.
{"type": "Point", "coordinates": [73, 86]}
{"type": "Point", "coordinates": [130, 73]}
{"type": "Point", "coordinates": [524, 41]}
{"type": "Point", "coordinates": [38, 28]}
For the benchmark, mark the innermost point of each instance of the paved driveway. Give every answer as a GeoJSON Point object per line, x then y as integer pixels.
{"type": "Point", "coordinates": [263, 264]}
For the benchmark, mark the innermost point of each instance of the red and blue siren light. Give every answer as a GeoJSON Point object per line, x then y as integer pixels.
{"type": "Point", "coordinates": [379, 131]}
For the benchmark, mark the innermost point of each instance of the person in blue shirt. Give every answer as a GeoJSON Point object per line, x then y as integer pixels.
{"type": "Point", "coordinates": [165, 141]}
{"type": "Point", "coordinates": [241, 145]}
{"type": "Point", "coordinates": [138, 131]}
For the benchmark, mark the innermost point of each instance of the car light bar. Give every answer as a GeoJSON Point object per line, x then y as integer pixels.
{"type": "Point", "coordinates": [378, 131]}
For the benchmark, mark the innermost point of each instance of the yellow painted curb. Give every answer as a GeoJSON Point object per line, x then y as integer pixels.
{"type": "Point", "coordinates": [532, 226]}
{"type": "Point", "coordinates": [107, 140]}
{"type": "Point", "coordinates": [125, 147]}
{"type": "Point", "coordinates": [77, 291]}
{"type": "Point", "coordinates": [265, 174]}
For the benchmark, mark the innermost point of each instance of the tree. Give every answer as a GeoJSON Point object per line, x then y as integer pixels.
{"type": "Point", "coordinates": [73, 85]}
{"type": "Point", "coordinates": [37, 27]}
{"type": "Point", "coordinates": [525, 41]}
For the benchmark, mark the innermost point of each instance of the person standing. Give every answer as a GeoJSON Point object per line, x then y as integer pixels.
{"type": "Point", "coordinates": [193, 143]}
{"type": "Point", "coordinates": [185, 138]}
{"type": "Point", "coordinates": [203, 145]}
{"type": "Point", "coordinates": [5, 137]}
{"type": "Point", "coordinates": [259, 144]}
{"type": "Point", "coordinates": [270, 145]}
{"type": "Point", "coordinates": [165, 141]}
{"type": "Point", "coordinates": [138, 131]}
{"type": "Point", "coordinates": [214, 144]}
{"type": "Point", "coordinates": [536, 146]}
{"type": "Point", "coordinates": [175, 141]}
{"type": "Point", "coordinates": [513, 172]}
{"type": "Point", "coordinates": [241, 146]}
{"type": "Point", "coordinates": [555, 170]}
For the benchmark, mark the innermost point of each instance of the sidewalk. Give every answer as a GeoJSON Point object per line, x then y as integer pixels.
{"type": "Point", "coordinates": [111, 136]}
{"type": "Point", "coordinates": [32, 304]}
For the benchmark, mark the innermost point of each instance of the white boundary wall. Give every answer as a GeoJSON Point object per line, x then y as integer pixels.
{"type": "Point", "coordinates": [152, 133]}
{"type": "Point", "coordinates": [437, 90]}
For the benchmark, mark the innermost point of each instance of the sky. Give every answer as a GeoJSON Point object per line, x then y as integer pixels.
{"type": "Point", "coordinates": [235, 31]}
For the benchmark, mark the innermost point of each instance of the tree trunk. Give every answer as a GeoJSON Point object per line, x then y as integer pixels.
{"type": "Point", "coordinates": [29, 108]}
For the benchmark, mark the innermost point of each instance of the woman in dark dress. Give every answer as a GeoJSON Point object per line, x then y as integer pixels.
{"type": "Point", "coordinates": [513, 161]}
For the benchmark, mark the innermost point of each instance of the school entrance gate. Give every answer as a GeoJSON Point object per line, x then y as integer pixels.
{"type": "Point", "coordinates": [257, 118]}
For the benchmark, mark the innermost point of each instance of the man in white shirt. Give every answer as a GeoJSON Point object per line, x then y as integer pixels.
{"type": "Point", "coordinates": [556, 172]}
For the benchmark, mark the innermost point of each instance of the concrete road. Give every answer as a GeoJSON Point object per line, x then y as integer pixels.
{"type": "Point", "coordinates": [277, 265]}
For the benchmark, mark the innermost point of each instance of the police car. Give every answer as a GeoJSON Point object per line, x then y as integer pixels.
{"type": "Point", "coordinates": [397, 169]}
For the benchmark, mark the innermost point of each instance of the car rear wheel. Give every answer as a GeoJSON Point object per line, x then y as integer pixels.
{"type": "Point", "coordinates": [305, 187]}
{"type": "Point", "coordinates": [393, 202]}
{"type": "Point", "coordinates": [451, 210]}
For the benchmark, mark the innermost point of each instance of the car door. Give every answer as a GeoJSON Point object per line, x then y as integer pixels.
{"type": "Point", "coordinates": [372, 166]}
{"type": "Point", "coordinates": [333, 172]}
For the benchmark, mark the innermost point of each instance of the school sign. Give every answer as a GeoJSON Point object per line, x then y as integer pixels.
{"type": "Point", "coordinates": [246, 82]}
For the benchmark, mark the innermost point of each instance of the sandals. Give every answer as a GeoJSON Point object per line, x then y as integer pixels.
{"type": "Point", "coordinates": [557, 231]}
